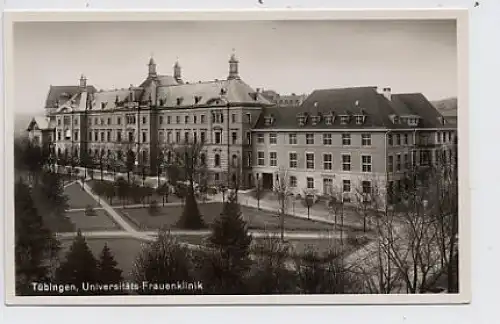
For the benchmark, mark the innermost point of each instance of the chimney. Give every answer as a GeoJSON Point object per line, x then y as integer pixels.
{"type": "Point", "coordinates": [387, 93]}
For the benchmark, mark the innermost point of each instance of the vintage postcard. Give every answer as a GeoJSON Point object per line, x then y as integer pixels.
{"type": "Point", "coordinates": [237, 157]}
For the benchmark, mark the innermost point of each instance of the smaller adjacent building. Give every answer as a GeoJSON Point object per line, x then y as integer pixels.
{"type": "Point", "coordinates": [41, 130]}
{"type": "Point", "coordinates": [289, 100]}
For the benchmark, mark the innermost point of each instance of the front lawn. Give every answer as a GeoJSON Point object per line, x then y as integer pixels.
{"type": "Point", "coordinates": [78, 198]}
{"type": "Point", "coordinates": [100, 222]}
{"type": "Point", "coordinates": [256, 219]}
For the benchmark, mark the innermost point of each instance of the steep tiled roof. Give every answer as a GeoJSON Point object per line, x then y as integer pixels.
{"type": "Point", "coordinates": [61, 94]}
{"type": "Point", "coordinates": [419, 105]}
{"type": "Point", "coordinates": [237, 91]}
{"type": "Point", "coordinates": [108, 98]}
{"type": "Point", "coordinates": [367, 101]}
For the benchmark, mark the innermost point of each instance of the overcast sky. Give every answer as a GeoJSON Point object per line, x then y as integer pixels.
{"type": "Point", "coordinates": [293, 56]}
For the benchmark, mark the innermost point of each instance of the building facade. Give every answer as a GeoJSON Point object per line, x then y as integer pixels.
{"type": "Point", "coordinates": [350, 140]}
{"type": "Point", "coordinates": [344, 140]}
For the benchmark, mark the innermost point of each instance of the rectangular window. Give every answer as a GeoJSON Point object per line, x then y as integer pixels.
{"type": "Point", "coordinates": [186, 137]}
{"type": "Point", "coordinates": [161, 137]}
{"type": "Point", "coordinates": [131, 137]}
{"type": "Point", "coordinates": [260, 158]}
{"type": "Point", "coordinates": [366, 139]}
{"type": "Point", "coordinates": [160, 119]}
{"type": "Point", "coordinates": [195, 137]}
{"type": "Point", "coordinates": [249, 118]}
{"type": "Point", "coordinates": [144, 137]}
{"type": "Point", "coordinates": [407, 161]}
{"type": "Point", "coordinates": [327, 139]}
{"type": "Point", "coordinates": [327, 186]}
{"type": "Point", "coordinates": [310, 139]}
{"type": "Point", "coordinates": [293, 181]}
{"type": "Point", "coordinates": [309, 160]}
{"type": "Point", "coordinates": [233, 118]}
{"type": "Point", "coordinates": [249, 138]}
{"type": "Point", "coordinates": [234, 137]}
{"type": "Point", "coordinates": [177, 136]}
{"type": "Point", "coordinates": [195, 119]}
{"type": "Point", "coordinates": [292, 139]}
{"type": "Point", "coordinates": [310, 183]}
{"type": "Point", "coordinates": [249, 159]}
{"type": "Point", "coordinates": [202, 137]}
{"type": "Point", "coordinates": [186, 119]}
{"type": "Point", "coordinates": [76, 136]}
{"type": "Point", "coordinates": [169, 119]}
{"type": "Point", "coordinates": [398, 162]}
{"type": "Point", "coordinates": [390, 163]}
{"type": "Point", "coordinates": [327, 161]}
{"type": "Point", "coordinates": [59, 135]}
{"type": "Point", "coordinates": [75, 121]}
{"type": "Point", "coordinates": [346, 162]}
{"type": "Point", "coordinates": [144, 120]}
{"type": "Point", "coordinates": [390, 140]}
{"type": "Point", "coordinates": [346, 139]}
{"type": "Point", "coordinates": [273, 138]}
{"type": "Point", "coordinates": [169, 137]}
{"type": "Point", "coordinates": [346, 185]}
{"type": "Point", "coordinates": [367, 187]}
{"type": "Point", "coordinates": [273, 159]}
{"type": "Point", "coordinates": [366, 163]}
{"type": "Point", "coordinates": [118, 136]}
{"type": "Point", "coordinates": [102, 136]}
{"type": "Point", "coordinates": [218, 138]}
{"type": "Point", "coordinates": [202, 119]}
{"type": "Point", "coordinates": [292, 160]}
{"type": "Point", "coordinates": [96, 136]}
{"type": "Point", "coordinates": [108, 135]}
{"type": "Point", "coordinates": [406, 139]}
{"type": "Point", "coordinates": [177, 119]}
{"type": "Point", "coordinates": [398, 139]}
{"type": "Point", "coordinates": [260, 138]}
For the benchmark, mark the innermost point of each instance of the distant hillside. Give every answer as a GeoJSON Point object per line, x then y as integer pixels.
{"type": "Point", "coordinates": [446, 104]}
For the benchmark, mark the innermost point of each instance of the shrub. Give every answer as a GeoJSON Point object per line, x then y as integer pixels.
{"type": "Point", "coordinates": [90, 211]}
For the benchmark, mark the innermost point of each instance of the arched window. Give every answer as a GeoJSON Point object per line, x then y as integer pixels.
{"type": "Point", "coordinates": [217, 160]}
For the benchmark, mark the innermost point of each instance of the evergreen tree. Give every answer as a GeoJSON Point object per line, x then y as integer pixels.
{"type": "Point", "coordinates": [229, 262]}
{"type": "Point", "coordinates": [191, 217]}
{"type": "Point", "coordinates": [52, 193]}
{"type": "Point", "coordinates": [35, 246]}
{"type": "Point", "coordinates": [163, 261]}
{"type": "Point", "coordinates": [80, 267]}
{"type": "Point", "coordinates": [108, 272]}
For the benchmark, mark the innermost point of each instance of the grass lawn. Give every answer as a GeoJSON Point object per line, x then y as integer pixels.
{"type": "Point", "coordinates": [101, 222]}
{"type": "Point", "coordinates": [256, 219]}
{"type": "Point", "coordinates": [78, 198]}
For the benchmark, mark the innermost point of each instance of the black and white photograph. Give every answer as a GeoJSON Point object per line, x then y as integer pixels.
{"type": "Point", "coordinates": [242, 159]}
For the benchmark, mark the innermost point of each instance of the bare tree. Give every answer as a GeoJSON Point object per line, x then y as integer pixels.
{"type": "Point", "coordinates": [281, 188]}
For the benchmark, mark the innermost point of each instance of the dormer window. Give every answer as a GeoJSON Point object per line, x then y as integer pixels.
{"type": "Point", "coordinates": [315, 119]}
{"type": "Point", "coordinates": [254, 95]}
{"type": "Point", "coordinates": [329, 119]}
{"type": "Point", "coordinates": [412, 121]}
{"type": "Point", "coordinates": [197, 99]}
{"type": "Point", "coordinates": [302, 119]}
{"type": "Point", "coordinates": [395, 119]}
{"type": "Point", "coordinates": [360, 119]}
{"type": "Point", "coordinates": [179, 101]}
{"type": "Point", "coordinates": [103, 105]}
{"type": "Point", "coordinates": [269, 120]}
{"type": "Point", "coordinates": [223, 91]}
{"type": "Point", "coordinates": [344, 119]}
{"type": "Point", "coordinates": [441, 120]}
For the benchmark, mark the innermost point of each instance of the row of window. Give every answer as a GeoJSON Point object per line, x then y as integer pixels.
{"type": "Point", "coordinates": [328, 187]}
{"type": "Point", "coordinates": [366, 139]}
{"type": "Point", "coordinates": [366, 161]}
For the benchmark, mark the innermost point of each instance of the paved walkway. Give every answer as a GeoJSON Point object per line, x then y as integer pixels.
{"type": "Point", "coordinates": [75, 210]}
{"type": "Point", "coordinates": [116, 217]}
{"type": "Point", "coordinates": [160, 204]}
